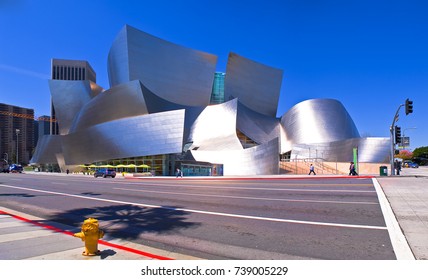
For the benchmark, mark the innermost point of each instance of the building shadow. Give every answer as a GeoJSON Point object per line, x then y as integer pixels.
{"type": "Point", "coordinates": [128, 221]}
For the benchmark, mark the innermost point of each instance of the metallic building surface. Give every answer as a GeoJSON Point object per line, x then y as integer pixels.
{"type": "Point", "coordinates": [317, 121]}
{"type": "Point", "coordinates": [371, 149]}
{"type": "Point", "coordinates": [47, 148]}
{"type": "Point", "coordinates": [257, 86]}
{"type": "Point", "coordinates": [68, 98]}
{"type": "Point", "coordinates": [121, 101]}
{"type": "Point", "coordinates": [175, 73]}
{"type": "Point", "coordinates": [259, 160]}
{"type": "Point", "coordinates": [158, 104]}
{"type": "Point", "coordinates": [153, 134]}
{"type": "Point", "coordinates": [215, 128]}
{"type": "Point", "coordinates": [258, 127]}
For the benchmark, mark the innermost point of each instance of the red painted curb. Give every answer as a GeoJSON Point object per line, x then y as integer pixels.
{"type": "Point", "coordinates": [249, 178]}
{"type": "Point", "coordinates": [106, 243]}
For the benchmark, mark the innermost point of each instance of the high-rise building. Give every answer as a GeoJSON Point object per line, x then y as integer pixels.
{"type": "Point", "coordinates": [69, 70]}
{"type": "Point", "coordinates": [41, 127]}
{"type": "Point", "coordinates": [16, 133]}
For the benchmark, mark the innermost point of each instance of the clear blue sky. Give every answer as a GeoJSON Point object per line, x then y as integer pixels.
{"type": "Point", "coordinates": [370, 55]}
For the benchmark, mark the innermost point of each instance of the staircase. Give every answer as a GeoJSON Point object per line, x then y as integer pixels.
{"type": "Point", "coordinates": [301, 167]}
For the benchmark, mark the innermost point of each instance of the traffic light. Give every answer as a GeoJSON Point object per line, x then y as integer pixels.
{"type": "Point", "coordinates": [397, 134]}
{"type": "Point", "coordinates": [409, 106]}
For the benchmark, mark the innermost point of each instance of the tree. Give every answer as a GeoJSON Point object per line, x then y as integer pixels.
{"type": "Point", "coordinates": [421, 152]}
{"type": "Point", "coordinates": [420, 155]}
{"type": "Point", "coordinates": [405, 155]}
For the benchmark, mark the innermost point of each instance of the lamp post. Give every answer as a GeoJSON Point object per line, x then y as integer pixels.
{"type": "Point", "coordinates": [17, 145]}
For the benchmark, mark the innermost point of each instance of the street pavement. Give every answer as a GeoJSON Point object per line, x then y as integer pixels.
{"type": "Point", "coordinates": [26, 237]}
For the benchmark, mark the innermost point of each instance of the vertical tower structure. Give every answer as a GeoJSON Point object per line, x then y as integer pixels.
{"type": "Point", "coordinates": [69, 70]}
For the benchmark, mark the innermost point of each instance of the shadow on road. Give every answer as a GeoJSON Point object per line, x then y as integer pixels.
{"type": "Point", "coordinates": [17, 195]}
{"type": "Point", "coordinates": [128, 221]}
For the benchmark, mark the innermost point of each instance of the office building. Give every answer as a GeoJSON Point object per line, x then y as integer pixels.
{"type": "Point", "coordinates": [16, 133]}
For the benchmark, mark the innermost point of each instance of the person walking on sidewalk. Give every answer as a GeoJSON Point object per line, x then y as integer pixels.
{"type": "Point", "coordinates": [179, 173]}
{"type": "Point", "coordinates": [397, 166]}
{"type": "Point", "coordinates": [312, 170]}
{"type": "Point", "coordinates": [352, 169]}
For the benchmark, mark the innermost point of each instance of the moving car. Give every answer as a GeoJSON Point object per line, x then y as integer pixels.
{"type": "Point", "coordinates": [105, 173]}
{"type": "Point", "coordinates": [15, 168]}
{"type": "Point", "coordinates": [410, 164]}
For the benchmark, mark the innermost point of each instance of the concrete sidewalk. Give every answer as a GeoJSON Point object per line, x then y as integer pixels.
{"type": "Point", "coordinates": [408, 198]}
{"type": "Point", "coordinates": [25, 237]}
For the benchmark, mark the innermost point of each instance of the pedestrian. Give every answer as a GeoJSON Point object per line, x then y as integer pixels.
{"type": "Point", "coordinates": [352, 169]}
{"type": "Point", "coordinates": [311, 170]}
{"type": "Point", "coordinates": [397, 166]}
{"type": "Point", "coordinates": [179, 173]}
{"type": "Point", "coordinates": [68, 171]}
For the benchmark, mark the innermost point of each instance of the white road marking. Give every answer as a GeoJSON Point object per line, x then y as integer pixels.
{"type": "Point", "coordinates": [205, 212]}
{"type": "Point", "coordinates": [399, 243]}
{"type": "Point", "coordinates": [253, 198]}
{"type": "Point", "coordinates": [246, 188]}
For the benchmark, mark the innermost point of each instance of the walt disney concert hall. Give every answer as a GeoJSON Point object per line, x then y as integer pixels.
{"type": "Point", "coordinates": [162, 112]}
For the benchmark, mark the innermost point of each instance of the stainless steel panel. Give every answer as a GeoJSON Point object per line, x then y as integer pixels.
{"type": "Point", "coordinates": [317, 121]}
{"type": "Point", "coordinates": [121, 101]}
{"type": "Point", "coordinates": [258, 127]}
{"type": "Point", "coordinates": [257, 86]}
{"type": "Point", "coordinates": [68, 98]}
{"type": "Point", "coordinates": [47, 149]}
{"type": "Point", "coordinates": [372, 149]}
{"type": "Point", "coordinates": [259, 160]}
{"type": "Point", "coordinates": [153, 134]}
{"type": "Point", "coordinates": [215, 128]}
{"type": "Point", "coordinates": [175, 73]}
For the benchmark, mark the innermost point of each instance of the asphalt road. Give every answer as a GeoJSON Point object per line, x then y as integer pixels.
{"type": "Point", "coordinates": [317, 218]}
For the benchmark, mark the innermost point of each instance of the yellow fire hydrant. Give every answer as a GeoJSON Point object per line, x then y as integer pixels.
{"type": "Point", "coordinates": [90, 234]}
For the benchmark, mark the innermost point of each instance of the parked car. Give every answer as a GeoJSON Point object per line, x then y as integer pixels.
{"type": "Point", "coordinates": [105, 173]}
{"type": "Point", "coordinates": [410, 164]}
{"type": "Point", "coordinates": [15, 168]}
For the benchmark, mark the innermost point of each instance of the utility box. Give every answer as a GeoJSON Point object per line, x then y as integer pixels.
{"type": "Point", "coordinates": [383, 170]}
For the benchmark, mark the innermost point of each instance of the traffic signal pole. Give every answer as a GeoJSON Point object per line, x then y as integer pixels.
{"type": "Point", "coordinates": [392, 132]}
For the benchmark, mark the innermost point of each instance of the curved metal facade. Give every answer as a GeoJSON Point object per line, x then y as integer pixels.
{"type": "Point", "coordinates": [258, 127]}
{"type": "Point", "coordinates": [158, 104]}
{"type": "Point", "coordinates": [317, 121]}
{"type": "Point", "coordinates": [175, 73]}
{"type": "Point", "coordinates": [47, 148]}
{"type": "Point", "coordinates": [215, 128]}
{"type": "Point", "coordinates": [153, 134]}
{"type": "Point", "coordinates": [259, 160]}
{"type": "Point", "coordinates": [257, 86]}
{"type": "Point", "coordinates": [68, 98]}
{"type": "Point", "coordinates": [121, 101]}
{"type": "Point", "coordinates": [369, 150]}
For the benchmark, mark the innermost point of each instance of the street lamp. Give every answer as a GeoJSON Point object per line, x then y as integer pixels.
{"type": "Point", "coordinates": [17, 145]}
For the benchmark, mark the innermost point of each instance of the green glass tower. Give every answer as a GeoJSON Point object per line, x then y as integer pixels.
{"type": "Point", "coordinates": [217, 94]}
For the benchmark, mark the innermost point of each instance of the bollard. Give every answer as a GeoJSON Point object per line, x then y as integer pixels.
{"type": "Point", "coordinates": [90, 234]}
